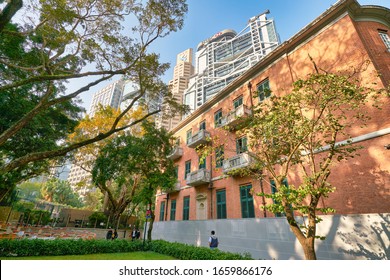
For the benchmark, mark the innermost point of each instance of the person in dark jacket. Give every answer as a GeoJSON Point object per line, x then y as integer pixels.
{"type": "Point", "coordinates": [133, 234]}
{"type": "Point", "coordinates": [109, 234]}
{"type": "Point", "coordinates": [213, 240]}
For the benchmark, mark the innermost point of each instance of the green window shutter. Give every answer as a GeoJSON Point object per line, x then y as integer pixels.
{"type": "Point", "coordinates": [273, 187]}
{"type": "Point", "coordinates": [244, 144]}
{"type": "Point", "coordinates": [202, 125]}
{"type": "Point", "coordinates": [221, 204]}
{"type": "Point", "coordinates": [177, 172]}
{"type": "Point", "coordinates": [264, 90]}
{"type": "Point", "coordinates": [202, 163]}
{"type": "Point", "coordinates": [173, 210]}
{"type": "Point", "coordinates": [237, 102]}
{"type": "Point", "coordinates": [187, 169]}
{"type": "Point", "coordinates": [241, 145]}
{"type": "Point", "coordinates": [162, 211]}
{"type": "Point", "coordinates": [189, 135]}
{"type": "Point", "coordinates": [247, 207]}
{"type": "Point", "coordinates": [186, 208]}
{"type": "Point", "coordinates": [218, 118]}
{"type": "Point", "coordinates": [219, 156]}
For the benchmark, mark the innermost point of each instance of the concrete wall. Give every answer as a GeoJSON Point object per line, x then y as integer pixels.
{"type": "Point", "coordinates": [365, 236]}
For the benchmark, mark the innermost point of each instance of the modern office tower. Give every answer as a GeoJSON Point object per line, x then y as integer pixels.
{"type": "Point", "coordinates": [110, 95]}
{"type": "Point", "coordinates": [182, 72]}
{"type": "Point", "coordinates": [131, 91]}
{"type": "Point", "coordinates": [225, 56]}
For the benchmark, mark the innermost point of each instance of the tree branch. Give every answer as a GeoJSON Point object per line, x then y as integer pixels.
{"type": "Point", "coordinates": [42, 105]}
{"type": "Point", "coordinates": [61, 152]}
{"type": "Point", "coordinates": [9, 11]}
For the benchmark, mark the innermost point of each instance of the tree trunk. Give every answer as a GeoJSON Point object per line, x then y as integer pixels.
{"type": "Point", "coordinates": [9, 11]}
{"type": "Point", "coordinates": [3, 193]}
{"type": "Point", "coordinates": [308, 249]}
{"type": "Point", "coordinates": [151, 226]}
{"type": "Point", "coordinates": [307, 242]}
{"type": "Point", "coordinates": [115, 218]}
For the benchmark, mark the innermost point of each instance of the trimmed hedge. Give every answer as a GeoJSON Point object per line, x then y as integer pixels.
{"type": "Point", "coordinates": [190, 252]}
{"type": "Point", "coordinates": [58, 247]}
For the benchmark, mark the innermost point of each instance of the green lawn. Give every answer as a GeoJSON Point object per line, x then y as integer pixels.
{"type": "Point", "coordinates": [112, 256]}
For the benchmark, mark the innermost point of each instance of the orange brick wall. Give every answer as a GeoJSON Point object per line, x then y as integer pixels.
{"type": "Point", "coordinates": [375, 47]}
{"type": "Point", "coordinates": [363, 183]}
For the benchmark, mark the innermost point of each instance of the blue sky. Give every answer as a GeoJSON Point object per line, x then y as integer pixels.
{"type": "Point", "coordinates": [207, 17]}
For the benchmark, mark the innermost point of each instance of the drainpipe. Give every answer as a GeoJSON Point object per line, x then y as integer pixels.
{"type": "Point", "coordinates": [166, 207]}
{"type": "Point", "coordinates": [263, 198]}
{"type": "Point", "coordinates": [211, 188]}
{"type": "Point", "coordinates": [250, 95]}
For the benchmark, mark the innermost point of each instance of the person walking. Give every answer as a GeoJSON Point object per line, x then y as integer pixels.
{"type": "Point", "coordinates": [109, 234]}
{"type": "Point", "coordinates": [213, 240]}
{"type": "Point", "coordinates": [134, 234]}
{"type": "Point", "coordinates": [115, 235]}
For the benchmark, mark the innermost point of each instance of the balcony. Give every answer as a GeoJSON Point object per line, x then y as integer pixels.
{"type": "Point", "coordinates": [176, 153]}
{"type": "Point", "coordinates": [234, 117]}
{"type": "Point", "coordinates": [199, 177]}
{"type": "Point", "coordinates": [176, 188]}
{"type": "Point", "coordinates": [237, 162]}
{"type": "Point", "coordinates": [201, 137]}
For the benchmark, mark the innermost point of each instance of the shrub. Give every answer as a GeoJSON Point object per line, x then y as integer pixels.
{"type": "Point", "coordinates": [39, 247]}
{"type": "Point", "coordinates": [190, 252]}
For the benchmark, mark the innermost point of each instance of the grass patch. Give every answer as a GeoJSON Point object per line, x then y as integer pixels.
{"type": "Point", "coordinates": [148, 255]}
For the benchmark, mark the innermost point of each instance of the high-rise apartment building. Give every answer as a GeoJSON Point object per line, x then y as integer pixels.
{"type": "Point", "coordinates": [182, 72]}
{"type": "Point", "coordinates": [110, 95]}
{"type": "Point", "coordinates": [225, 56]}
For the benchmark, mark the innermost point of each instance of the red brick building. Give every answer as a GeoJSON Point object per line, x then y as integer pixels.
{"type": "Point", "coordinates": [346, 36]}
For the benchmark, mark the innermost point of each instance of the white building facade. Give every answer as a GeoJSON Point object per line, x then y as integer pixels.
{"type": "Point", "coordinates": [225, 56]}
{"type": "Point", "coordinates": [182, 72]}
{"type": "Point", "coordinates": [110, 95]}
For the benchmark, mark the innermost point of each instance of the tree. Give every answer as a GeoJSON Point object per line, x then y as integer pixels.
{"type": "Point", "coordinates": [42, 133]}
{"type": "Point", "coordinates": [93, 200]}
{"type": "Point", "coordinates": [60, 191]}
{"type": "Point", "coordinates": [58, 42]}
{"type": "Point", "coordinates": [298, 133]}
{"type": "Point", "coordinates": [30, 191]}
{"type": "Point", "coordinates": [100, 122]}
{"type": "Point", "coordinates": [96, 218]}
{"type": "Point", "coordinates": [130, 168]}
